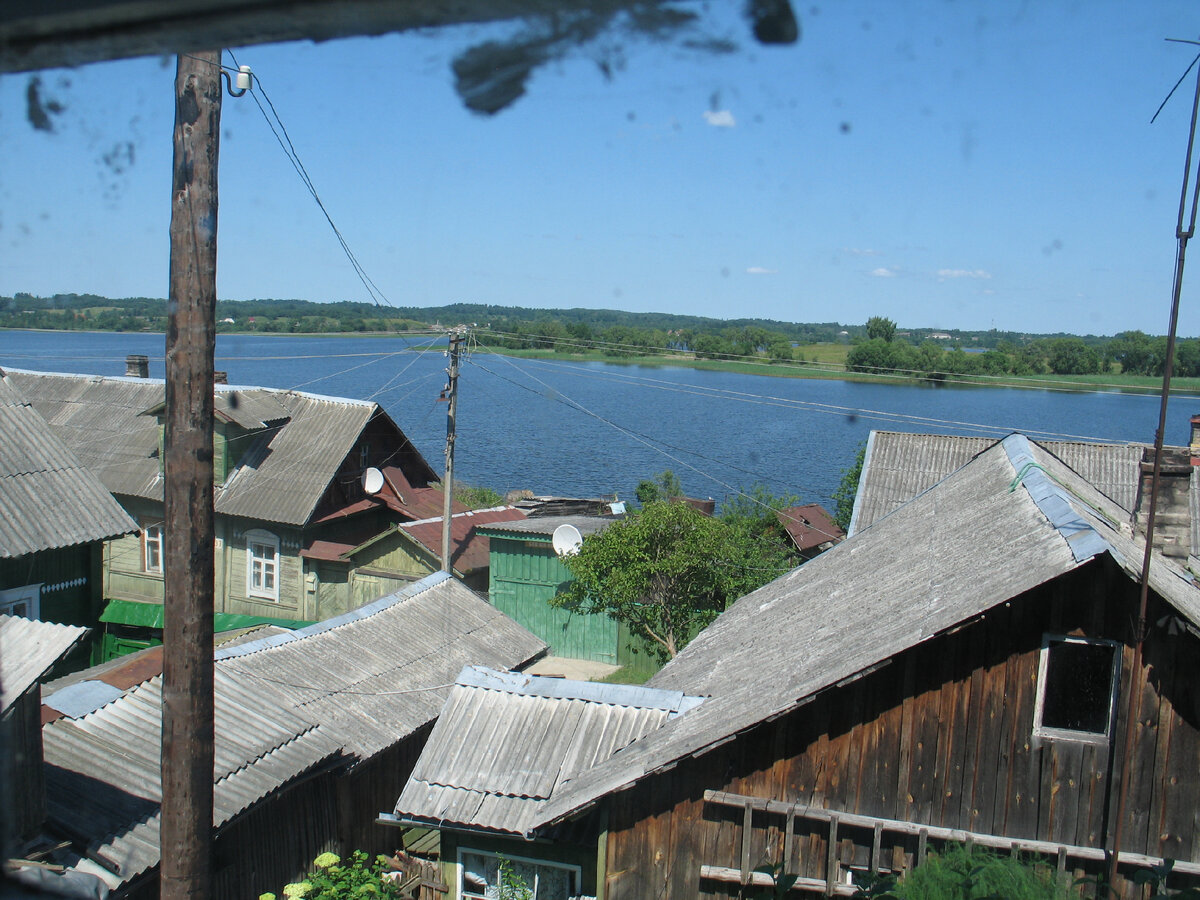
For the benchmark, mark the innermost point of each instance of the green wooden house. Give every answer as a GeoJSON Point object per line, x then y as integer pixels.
{"type": "Point", "coordinates": [525, 573]}
{"type": "Point", "coordinates": [289, 494]}
{"type": "Point", "coordinates": [54, 517]}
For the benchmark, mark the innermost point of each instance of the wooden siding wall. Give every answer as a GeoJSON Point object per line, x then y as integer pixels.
{"type": "Point", "coordinates": [941, 736]}
{"type": "Point", "coordinates": [124, 578]}
{"type": "Point", "coordinates": [21, 766]}
{"type": "Point", "coordinates": [294, 601]}
{"type": "Point", "coordinates": [524, 574]}
{"type": "Point", "coordinates": [371, 788]}
{"type": "Point", "coordinates": [71, 581]}
{"type": "Point", "coordinates": [276, 843]}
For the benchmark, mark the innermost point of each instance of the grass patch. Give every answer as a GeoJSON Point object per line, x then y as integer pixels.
{"type": "Point", "coordinates": [626, 675]}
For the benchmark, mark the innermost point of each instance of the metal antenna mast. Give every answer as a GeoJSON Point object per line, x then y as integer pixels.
{"type": "Point", "coordinates": [1185, 227]}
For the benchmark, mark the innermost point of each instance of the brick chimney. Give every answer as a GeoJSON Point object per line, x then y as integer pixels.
{"type": "Point", "coordinates": [1173, 515]}
{"type": "Point", "coordinates": [138, 366]}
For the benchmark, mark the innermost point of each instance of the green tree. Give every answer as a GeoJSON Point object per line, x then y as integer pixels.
{"type": "Point", "coordinates": [665, 571]}
{"type": "Point", "coordinates": [882, 328]}
{"type": "Point", "coordinates": [663, 486]}
{"type": "Point", "coordinates": [843, 497]}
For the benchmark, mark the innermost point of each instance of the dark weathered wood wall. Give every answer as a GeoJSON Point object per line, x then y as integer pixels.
{"type": "Point", "coordinates": [942, 736]}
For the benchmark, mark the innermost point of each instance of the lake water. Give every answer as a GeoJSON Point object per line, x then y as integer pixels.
{"type": "Point", "coordinates": [589, 429]}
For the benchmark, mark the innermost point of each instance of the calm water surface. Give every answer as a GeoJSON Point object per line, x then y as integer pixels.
{"type": "Point", "coordinates": [586, 429]}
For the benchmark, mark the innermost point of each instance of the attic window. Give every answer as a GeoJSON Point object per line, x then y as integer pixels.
{"type": "Point", "coordinates": [1077, 685]}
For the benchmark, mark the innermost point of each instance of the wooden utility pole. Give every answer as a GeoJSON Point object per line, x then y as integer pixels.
{"type": "Point", "coordinates": [187, 708]}
{"type": "Point", "coordinates": [456, 337]}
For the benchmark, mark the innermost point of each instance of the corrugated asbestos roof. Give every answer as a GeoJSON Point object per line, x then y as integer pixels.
{"type": "Point", "coordinates": [898, 466]}
{"type": "Point", "coordinates": [976, 539]}
{"type": "Point", "coordinates": [27, 649]}
{"type": "Point", "coordinates": [545, 525]}
{"type": "Point", "coordinates": [281, 476]}
{"type": "Point", "coordinates": [103, 769]}
{"type": "Point", "coordinates": [358, 683]}
{"type": "Point", "coordinates": [504, 742]}
{"type": "Point", "coordinates": [47, 498]}
{"type": "Point", "coordinates": [379, 673]}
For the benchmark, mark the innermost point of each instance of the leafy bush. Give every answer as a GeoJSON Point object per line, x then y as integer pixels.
{"type": "Point", "coordinates": [331, 880]}
{"type": "Point", "coordinates": [961, 874]}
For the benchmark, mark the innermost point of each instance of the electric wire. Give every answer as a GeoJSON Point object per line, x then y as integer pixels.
{"type": "Point", "coordinates": [289, 149]}
{"type": "Point", "coordinates": [653, 445]}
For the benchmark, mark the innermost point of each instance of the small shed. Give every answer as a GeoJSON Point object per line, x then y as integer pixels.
{"type": "Point", "coordinates": [526, 572]}
{"type": "Point", "coordinates": [482, 780]}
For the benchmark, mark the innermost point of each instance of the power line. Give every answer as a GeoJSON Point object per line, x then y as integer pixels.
{"type": "Point", "coordinates": [289, 149]}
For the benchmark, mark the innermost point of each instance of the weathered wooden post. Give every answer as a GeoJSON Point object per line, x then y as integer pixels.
{"type": "Point", "coordinates": [187, 710]}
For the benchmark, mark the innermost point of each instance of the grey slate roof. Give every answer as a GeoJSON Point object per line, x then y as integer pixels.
{"type": "Point", "coordinates": [898, 466]}
{"type": "Point", "coordinates": [377, 674]}
{"type": "Point", "coordinates": [974, 540]}
{"type": "Point", "coordinates": [47, 498]}
{"type": "Point", "coordinates": [103, 776]}
{"type": "Point", "coordinates": [504, 742]}
{"type": "Point", "coordinates": [281, 476]}
{"type": "Point", "coordinates": [27, 649]}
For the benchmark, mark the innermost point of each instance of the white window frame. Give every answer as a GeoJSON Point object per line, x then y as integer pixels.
{"type": "Point", "coordinates": [152, 539]}
{"type": "Point", "coordinates": [461, 894]}
{"type": "Point", "coordinates": [265, 566]}
{"type": "Point", "coordinates": [29, 595]}
{"type": "Point", "coordinates": [1071, 734]}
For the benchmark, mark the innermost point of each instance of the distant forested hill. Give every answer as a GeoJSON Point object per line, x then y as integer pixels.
{"type": "Point", "coordinates": [877, 346]}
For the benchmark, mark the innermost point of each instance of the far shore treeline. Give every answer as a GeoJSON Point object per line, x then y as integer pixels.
{"type": "Point", "coordinates": [878, 346]}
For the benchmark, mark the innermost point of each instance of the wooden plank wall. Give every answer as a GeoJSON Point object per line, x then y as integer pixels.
{"type": "Point", "coordinates": [942, 735]}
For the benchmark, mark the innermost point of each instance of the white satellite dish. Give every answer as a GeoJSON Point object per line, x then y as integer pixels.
{"type": "Point", "coordinates": [372, 481]}
{"type": "Point", "coordinates": [566, 540]}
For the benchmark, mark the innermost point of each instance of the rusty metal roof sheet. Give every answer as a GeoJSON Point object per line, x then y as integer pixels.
{"type": "Point", "coordinates": [809, 525]}
{"type": "Point", "coordinates": [27, 649]}
{"type": "Point", "coordinates": [48, 499]}
{"type": "Point", "coordinates": [281, 477]}
{"type": "Point", "coordinates": [470, 549]}
{"type": "Point", "coordinates": [898, 466]}
{"type": "Point", "coordinates": [379, 673]}
{"type": "Point", "coordinates": [504, 742]}
{"type": "Point", "coordinates": [1013, 518]}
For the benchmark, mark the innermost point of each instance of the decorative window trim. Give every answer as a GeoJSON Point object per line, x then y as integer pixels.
{"type": "Point", "coordinates": [461, 894]}
{"type": "Point", "coordinates": [29, 595]}
{"type": "Point", "coordinates": [1071, 734]}
{"type": "Point", "coordinates": [152, 548]}
{"type": "Point", "coordinates": [262, 569]}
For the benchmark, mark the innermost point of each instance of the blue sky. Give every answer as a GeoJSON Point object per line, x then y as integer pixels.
{"type": "Point", "coordinates": [948, 164]}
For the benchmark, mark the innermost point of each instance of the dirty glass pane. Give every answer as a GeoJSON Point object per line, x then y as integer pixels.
{"type": "Point", "coordinates": [1078, 686]}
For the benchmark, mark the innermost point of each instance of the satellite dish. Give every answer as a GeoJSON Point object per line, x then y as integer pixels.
{"type": "Point", "coordinates": [372, 481]}
{"type": "Point", "coordinates": [567, 540]}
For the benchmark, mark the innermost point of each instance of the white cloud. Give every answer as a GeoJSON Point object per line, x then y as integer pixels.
{"type": "Point", "coordinates": [884, 272]}
{"type": "Point", "coordinates": [963, 273]}
{"type": "Point", "coordinates": [719, 118]}
{"type": "Point", "coordinates": [759, 270]}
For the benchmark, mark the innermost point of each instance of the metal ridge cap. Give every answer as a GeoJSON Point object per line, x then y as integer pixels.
{"type": "Point", "coordinates": [363, 612]}
{"type": "Point", "coordinates": [1054, 501]}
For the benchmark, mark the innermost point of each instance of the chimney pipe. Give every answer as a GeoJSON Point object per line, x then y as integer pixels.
{"type": "Point", "coordinates": [137, 366]}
